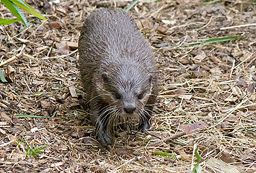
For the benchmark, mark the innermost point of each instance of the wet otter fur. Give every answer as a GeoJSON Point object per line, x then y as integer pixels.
{"type": "Point", "coordinates": [117, 70]}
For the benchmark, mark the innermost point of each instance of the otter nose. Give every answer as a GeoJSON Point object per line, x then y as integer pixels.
{"type": "Point", "coordinates": [129, 109]}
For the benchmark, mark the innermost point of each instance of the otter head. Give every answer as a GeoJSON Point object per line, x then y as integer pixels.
{"type": "Point", "coordinates": [126, 88]}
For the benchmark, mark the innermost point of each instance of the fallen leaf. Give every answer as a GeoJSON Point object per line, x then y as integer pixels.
{"type": "Point", "coordinates": [55, 25]}
{"type": "Point", "coordinates": [216, 72]}
{"type": "Point", "coordinates": [183, 155]}
{"type": "Point", "coordinates": [251, 88]}
{"type": "Point", "coordinates": [241, 82]}
{"type": "Point", "coordinates": [5, 117]}
{"type": "Point", "coordinates": [218, 166]}
{"type": "Point", "coordinates": [231, 99]}
{"type": "Point", "coordinates": [48, 107]}
{"type": "Point", "coordinates": [62, 48]}
{"type": "Point", "coordinates": [45, 104]}
{"type": "Point", "coordinates": [226, 157]}
{"type": "Point", "coordinates": [200, 57]}
{"type": "Point", "coordinates": [72, 91]}
{"type": "Point", "coordinates": [36, 71]}
{"type": "Point", "coordinates": [146, 24]}
{"type": "Point", "coordinates": [215, 59]}
{"type": "Point", "coordinates": [72, 45]}
{"type": "Point", "coordinates": [185, 61]}
{"type": "Point", "coordinates": [162, 29]}
{"type": "Point", "coordinates": [23, 40]}
{"type": "Point", "coordinates": [186, 97]}
{"type": "Point", "coordinates": [169, 22]}
{"type": "Point", "coordinates": [10, 72]}
{"type": "Point", "coordinates": [2, 131]}
{"type": "Point", "coordinates": [190, 128]}
{"type": "Point", "coordinates": [62, 10]}
{"type": "Point", "coordinates": [57, 164]}
{"type": "Point", "coordinates": [237, 91]}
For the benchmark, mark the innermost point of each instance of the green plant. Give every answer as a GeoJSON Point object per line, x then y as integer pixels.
{"type": "Point", "coordinates": [15, 7]}
{"type": "Point", "coordinates": [165, 154]}
{"type": "Point", "coordinates": [32, 151]}
{"type": "Point", "coordinates": [213, 40]}
{"type": "Point", "coordinates": [2, 77]}
{"type": "Point", "coordinates": [30, 116]}
{"type": "Point", "coordinates": [197, 158]}
{"type": "Point", "coordinates": [131, 5]}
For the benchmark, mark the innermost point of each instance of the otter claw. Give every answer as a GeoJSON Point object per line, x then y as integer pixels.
{"type": "Point", "coordinates": [104, 139]}
{"type": "Point", "coordinates": [144, 125]}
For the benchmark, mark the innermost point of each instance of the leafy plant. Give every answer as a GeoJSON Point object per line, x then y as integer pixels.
{"type": "Point", "coordinates": [30, 150]}
{"type": "Point", "coordinates": [196, 168]}
{"type": "Point", "coordinates": [34, 151]}
{"type": "Point", "coordinates": [15, 7]}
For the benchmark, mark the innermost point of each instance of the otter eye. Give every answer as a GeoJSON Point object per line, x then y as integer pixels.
{"type": "Point", "coordinates": [141, 95]}
{"type": "Point", "coordinates": [117, 95]}
{"type": "Point", "coordinates": [105, 77]}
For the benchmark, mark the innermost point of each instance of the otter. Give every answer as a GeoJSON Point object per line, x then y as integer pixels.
{"type": "Point", "coordinates": [117, 70]}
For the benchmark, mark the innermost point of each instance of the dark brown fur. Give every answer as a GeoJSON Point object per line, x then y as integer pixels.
{"type": "Point", "coordinates": [117, 70]}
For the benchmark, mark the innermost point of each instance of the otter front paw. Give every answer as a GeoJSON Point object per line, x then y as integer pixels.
{"type": "Point", "coordinates": [144, 125]}
{"type": "Point", "coordinates": [104, 139]}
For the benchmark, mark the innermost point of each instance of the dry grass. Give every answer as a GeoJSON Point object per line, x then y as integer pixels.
{"type": "Point", "coordinates": [212, 84]}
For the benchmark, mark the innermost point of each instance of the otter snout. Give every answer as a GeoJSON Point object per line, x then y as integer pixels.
{"type": "Point", "coordinates": [129, 108]}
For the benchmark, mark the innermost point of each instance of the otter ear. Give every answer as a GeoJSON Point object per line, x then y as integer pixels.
{"type": "Point", "coordinates": [105, 77]}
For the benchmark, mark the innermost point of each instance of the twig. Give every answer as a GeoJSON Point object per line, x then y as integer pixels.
{"type": "Point", "coordinates": [126, 163]}
{"type": "Point", "coordinates": [7, 143]}
{"type": "Point", "coordinates": [229, 113]}
{"type": "Point", "coordinates": [8, 60]}
{"type": "Point", "coordinates": [61, 56]}
{"type": "Point", "coordinates": [238, 26]}
{"type": "Point", "coordinates": [148, 133]}
{"type": "Point", "coordinates": [14, 57]}
{"type": "Point", "coordinates": [175, 136]}
{"type": "Point", "coordinates": [251, 62]}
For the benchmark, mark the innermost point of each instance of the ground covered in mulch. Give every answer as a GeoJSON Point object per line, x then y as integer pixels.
{"type": "Point", "coordinates": [207, 91]}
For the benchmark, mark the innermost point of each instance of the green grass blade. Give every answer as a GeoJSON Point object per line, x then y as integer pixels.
{"type": "Point", "coordinates": [7, 21]}
{"type": "Point", "coordinates": [198, 158]}
{"type": "Point", "coordinates": [30, 116]}
{"type": "Point", "coordinates": [214, 40]}
{"type": "Point", "coordinates": [24, 6]}
{"type": "Point", "coordinates": [130, 6]}
{"type": "Point", "coordinates": [15, 11]}
{"type": "Point", "coordinates": [165, 154]}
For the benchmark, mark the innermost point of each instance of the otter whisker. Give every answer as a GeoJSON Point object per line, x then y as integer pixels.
{"type": "Point", "coordinates": [103, 120]}
{"type": "Point", "coordinates": [141, 115]}
{"type": "Point", "coordinates": [109, 105]}
{"type": "Point", "coordinates": [97, 96]}
{"type": "Point", "coordinates": [149, 111]}
{"type": "Point", "coordinates": [105, 115]}
{"type": "Point", "coordinates": [112, 120]}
